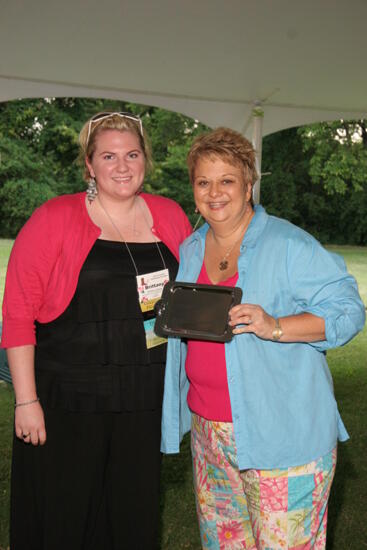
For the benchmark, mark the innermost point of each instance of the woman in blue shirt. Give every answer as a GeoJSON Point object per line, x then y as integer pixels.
{"type": "Point", "coordinates": [264, 450]}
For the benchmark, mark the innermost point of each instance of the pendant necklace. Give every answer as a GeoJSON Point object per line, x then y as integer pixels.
{"type": "Point", "coordinates": [223, 264]}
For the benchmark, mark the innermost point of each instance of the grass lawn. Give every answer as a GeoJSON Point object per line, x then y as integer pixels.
{"type": "Point", "coordinates": [5, 248]}
{"type": "Point", "coordinates": [356, 260]}
{"type": "Point", "coordinates": [348, 504]}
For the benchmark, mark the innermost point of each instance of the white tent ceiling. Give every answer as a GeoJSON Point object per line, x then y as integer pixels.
{"type": "Point", "coordinates": [303, 60]}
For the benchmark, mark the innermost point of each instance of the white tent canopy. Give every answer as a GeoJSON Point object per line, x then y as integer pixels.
{"type": "Point", "coordinates": [303, 61]}
{"type": "Point", "coordinates": [299, 60]}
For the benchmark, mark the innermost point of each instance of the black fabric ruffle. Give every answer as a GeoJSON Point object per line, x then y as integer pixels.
{"type": "Point", "coordinates": [112, 389]}
{"type": "Point", "coordinates": [94, 356]}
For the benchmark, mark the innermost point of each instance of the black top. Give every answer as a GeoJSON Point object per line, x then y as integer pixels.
{"type": "Point", "coordinates": [93, 357]}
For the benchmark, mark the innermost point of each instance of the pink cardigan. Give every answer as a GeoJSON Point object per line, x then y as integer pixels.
{"type": "Point", "coordinates": [48, 255]}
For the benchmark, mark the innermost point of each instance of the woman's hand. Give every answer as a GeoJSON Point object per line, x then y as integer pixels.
{"type": "Point", "coordinates": [30, 424]}
{"type": "Point", "coordinates": [254, 319]}
{"type": "Point", "coordinates": [303, 327]}
{"type": "Point", "coordinates": [29, 418]}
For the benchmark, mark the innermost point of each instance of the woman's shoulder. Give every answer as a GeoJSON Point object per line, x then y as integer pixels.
{"type": "Point", "coordinates": [59, 203]}
{"type": "Point", "coordinates": [282, 228]}
{"type": "Point", "coordinates": [53, 213]}
{"type": "Point", "coordinates": [299, 246]}
{"type": "Point", "coordinates": [58, 208]}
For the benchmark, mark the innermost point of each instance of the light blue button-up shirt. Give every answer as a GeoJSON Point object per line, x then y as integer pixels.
{"type": "Point", "coordinates": [283, 406]}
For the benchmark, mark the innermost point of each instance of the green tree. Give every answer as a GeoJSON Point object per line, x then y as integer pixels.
{"type": "Point", "coordinates": [171, 135]}
{"type": "Point", "coordinates": [287, 166]}
{"type": "Point", "coordinates": [39, 152]}
{"type": "Point", "coordinates": [338, 154]}
{"type": "Point", "coordinates": [24, 184]}
{"type": "Point", "coordinates": [18, 200]}
{"type": "Point", "coordinates": [317, 180]}
{"type": "Point", "coordinates": [332, 212]}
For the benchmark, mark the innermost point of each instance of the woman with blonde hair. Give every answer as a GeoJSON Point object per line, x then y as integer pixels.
{"type": "Point", "coordinates": [263, 417]}
{"type": "Point", "coordinates": [87, 369]}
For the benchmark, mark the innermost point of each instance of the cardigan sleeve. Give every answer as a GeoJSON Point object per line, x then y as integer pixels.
{"type": "Point", "coordinates": [322, 286]}
{"type": "Point", "coordinates": [30, 264]}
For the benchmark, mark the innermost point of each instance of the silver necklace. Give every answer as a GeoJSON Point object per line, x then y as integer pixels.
{"type": "Point", "coordinates": [119, 234]}
{"type": "Point", "coordinates": [156, 241]}
{"type": "Point", "coordinates": [122, 237]}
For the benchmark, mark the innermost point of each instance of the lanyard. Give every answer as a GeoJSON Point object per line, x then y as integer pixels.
{"type": "Point", "coordinates": [124, 241]}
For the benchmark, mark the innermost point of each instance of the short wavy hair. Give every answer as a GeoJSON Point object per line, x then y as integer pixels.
{"type": "Point", "coordinates": [114, 122]}
{"type": "Point", "coordinates": [228, 145]}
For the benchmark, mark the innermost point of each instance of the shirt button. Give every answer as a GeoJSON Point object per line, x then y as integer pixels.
{"type": "Point", "coordinates": [236, 417]}
{"type": "Point", "coordinates": [231, 380]}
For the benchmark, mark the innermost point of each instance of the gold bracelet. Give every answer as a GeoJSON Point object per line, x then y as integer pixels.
{"type": "Point", "coordinates": [26, 403]}
{"type": "Point", "coordinates": [277, 332]}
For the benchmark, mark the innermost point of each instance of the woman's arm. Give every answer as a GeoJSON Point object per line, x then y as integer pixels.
{"type": "Point", "coordinates": [324, 307]}
{"type": "Point", "coordinates": [32, 260]}
{"type": "Point", "coordinates": [304, 327]}
{"type": "Point", "coordinates": [29, 419]}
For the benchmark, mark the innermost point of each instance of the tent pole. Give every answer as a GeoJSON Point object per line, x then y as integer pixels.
{"type": "Point", "coordinates": [257, 119]}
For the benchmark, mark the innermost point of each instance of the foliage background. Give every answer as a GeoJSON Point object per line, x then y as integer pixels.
{"type": "Point", "coordinates": [39, 152]}
{"type": "Point", "coordinates": [318, 173]}
{"type": "Point", "coordinates": [317, 181]}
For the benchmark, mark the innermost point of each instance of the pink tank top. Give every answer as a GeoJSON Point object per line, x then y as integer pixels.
{"type": "Point", "coordinates": [206, 370]}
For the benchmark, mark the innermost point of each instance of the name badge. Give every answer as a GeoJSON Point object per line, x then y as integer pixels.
{"type": "Point", "coordinates": [150, 288]}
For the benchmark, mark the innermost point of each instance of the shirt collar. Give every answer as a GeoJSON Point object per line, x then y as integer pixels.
{"type": "Point", "coordinates": [256, 227]}
{"type": "Point", "coordinates": [252, 234]}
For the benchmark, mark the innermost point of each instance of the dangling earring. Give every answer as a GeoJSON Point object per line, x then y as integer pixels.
{"type": "Point", "coordinates": [196, 210]}
{"type": "Point", "coordinates": [92, 190]}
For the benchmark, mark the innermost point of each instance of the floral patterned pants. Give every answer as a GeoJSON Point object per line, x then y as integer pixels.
{"type": "Point", "coordinates": [277, 509]}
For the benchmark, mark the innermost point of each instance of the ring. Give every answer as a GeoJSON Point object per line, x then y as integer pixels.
{"type": "Point", "coordinates": [24, 436]}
